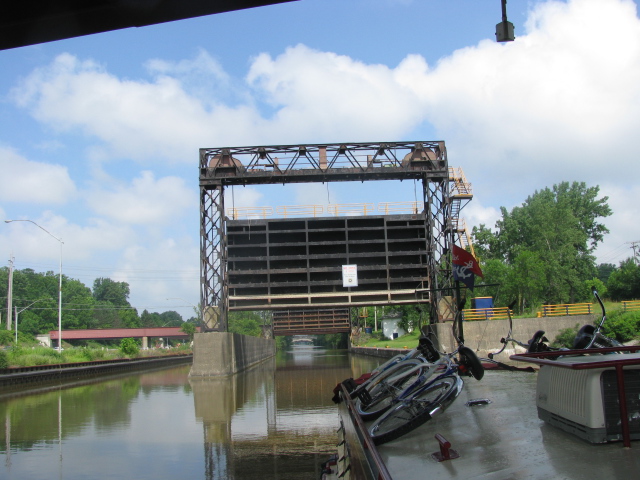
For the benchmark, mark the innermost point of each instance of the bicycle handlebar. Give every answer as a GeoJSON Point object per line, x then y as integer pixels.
{"type": "Point", "coordinates": [602, 320]}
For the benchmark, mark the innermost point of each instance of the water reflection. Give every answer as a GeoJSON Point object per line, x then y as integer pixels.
{"type": "Point", "coordinates": [277, 419]}
{"type": "Point", "coordinates": [274, 421]}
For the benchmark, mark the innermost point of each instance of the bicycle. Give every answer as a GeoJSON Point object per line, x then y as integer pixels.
{"type": "Point", "coordinates": [428, 389]}
{"type": "Point", "coordinates": [375, 396]}
{"type": "Point", "coordinates": [425, 397]}
{"type": "Point", "coordinates": [589, 337]}
{"type": "Point", "coordinates": [537, 343]}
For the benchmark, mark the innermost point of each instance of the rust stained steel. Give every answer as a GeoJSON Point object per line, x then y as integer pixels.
{"type": "Point", "coordinates": [337, 162]}
{"type": "Point", "coordinates": [425, 161]}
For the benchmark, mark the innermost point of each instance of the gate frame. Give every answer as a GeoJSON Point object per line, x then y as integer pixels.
{"type": "Point", "coordinates": [263, 165]}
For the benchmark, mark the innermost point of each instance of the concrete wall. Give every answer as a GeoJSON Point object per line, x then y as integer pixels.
{"type": "Point", "coordinates": [484, 336]}
{"type": "Point", "coordinates": [224, 353]}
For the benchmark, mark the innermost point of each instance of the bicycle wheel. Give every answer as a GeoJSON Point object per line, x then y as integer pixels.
{"type": "Point", "coordinates": [386, 386]}
{"type": "Point", "coordinates": [411, 413]}
{"type": "Point", "coordinates": [471, 362]}
{"type": "Point", "coordinates": [584, 336]}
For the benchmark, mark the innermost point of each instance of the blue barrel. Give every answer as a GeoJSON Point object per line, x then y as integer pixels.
{"type": "Point", "coordinates": [481, 302]}
{"type": "Point", "coordinates": [368, 330]}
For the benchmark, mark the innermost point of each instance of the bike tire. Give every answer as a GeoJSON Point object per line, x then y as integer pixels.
{"type": "Point", "coordinates": [583, 337]}
{"type": "Point", "coordinates": [472, 363]}
{"type": "Point", "coordinates": [415, 411]}
{"type": "Point", "coordinates": [384, 393]}
{"type": "Point", "coordinates": [395, 360]}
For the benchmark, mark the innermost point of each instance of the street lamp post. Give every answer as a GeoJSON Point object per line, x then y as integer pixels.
{"type": "Point", "coordinates": [59, 279]}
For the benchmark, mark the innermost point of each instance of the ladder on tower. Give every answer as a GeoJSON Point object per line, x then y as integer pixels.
{"type": "Point", "coordinates": [460, 192]}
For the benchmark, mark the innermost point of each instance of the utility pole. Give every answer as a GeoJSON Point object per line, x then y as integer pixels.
{"type": "Point", "coordinates": [10, 292]}
{"type": "Point", "coordinates": [634, 246]}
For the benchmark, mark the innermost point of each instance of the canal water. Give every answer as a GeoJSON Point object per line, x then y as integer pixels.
{"type": "Point", "coordinates": [276, 421]}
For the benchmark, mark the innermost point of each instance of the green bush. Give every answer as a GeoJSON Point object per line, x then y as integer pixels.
{"type": "Point", "coordinates": [623, 326]}
{"type": "Point", "coordinates": [4, 360]}
{"type": "Point", "coordinates": [129, 347]}
{"type": "Point", "coordinates": [565, 337]}
{"type": "Point", "coordinates": [6, 337]}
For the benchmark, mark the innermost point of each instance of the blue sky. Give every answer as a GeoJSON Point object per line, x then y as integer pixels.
{"type": "Point", "coordinates": [99, 135]}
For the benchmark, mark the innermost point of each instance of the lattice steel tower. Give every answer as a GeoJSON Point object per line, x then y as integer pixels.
{"type": "Point", "coordinates": [391, 273]}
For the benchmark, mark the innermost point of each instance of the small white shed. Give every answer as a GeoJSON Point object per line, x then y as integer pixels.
{"type": "Point", "coordinates": [390, 328]}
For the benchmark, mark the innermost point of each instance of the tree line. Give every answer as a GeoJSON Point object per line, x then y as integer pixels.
{"type": "Point", "coordinates": [106, 305]}
{"type": "Point", "coordinates": [542, 251]}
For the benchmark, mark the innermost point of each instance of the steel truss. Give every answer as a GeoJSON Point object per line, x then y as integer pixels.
{"type": "Point", "coordinates": [221, 167]}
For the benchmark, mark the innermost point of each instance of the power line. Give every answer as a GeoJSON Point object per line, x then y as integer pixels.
{"type": "Point", "coordinates": [614, 254]}
{"type": "Point", "coordinates": [633, 246]}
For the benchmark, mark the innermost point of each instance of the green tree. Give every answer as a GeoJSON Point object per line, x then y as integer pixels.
{"type": "Point", "coordinates": [129, 347]}
{"type": "Point", "coordinates": [188, 329]}
{"type": "Point", "coordinates": [150, 319]}
{"type": "Point", "coordinates": [333, 340]}
{"type": "Point", "coordinates": [547, 243]}
{"type": "Point", "coordinates": [115, 293]}
{"type": "Point", "coordinates": [624, 282]}
{"type": "Point", "coordinates": [245, 323]}
{"type": "Point", "coordinates": [112, 307]}
{"type": "Point", "coordinates": [604, 271]}
{"type": "Point", "coordinates": [170, 319]}
{"type": "Point", "coordinates": [78, 304]}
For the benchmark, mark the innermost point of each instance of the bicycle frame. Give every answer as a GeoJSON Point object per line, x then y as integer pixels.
{"type": "Point", "coordinates": [424, 380]}
{"type": "Point", "coordinates": [598, 337]}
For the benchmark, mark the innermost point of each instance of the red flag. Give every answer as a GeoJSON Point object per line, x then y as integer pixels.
{"type": "Point", "coordinates": [464, 259]}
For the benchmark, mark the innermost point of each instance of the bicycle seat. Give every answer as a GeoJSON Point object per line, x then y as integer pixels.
{"type": "Point", "coordinates": [426, 347]}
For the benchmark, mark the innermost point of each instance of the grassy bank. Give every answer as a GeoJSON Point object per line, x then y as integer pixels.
{"type": "Point", "coordinates": [31, 356]}
{"type": "Point", "coordinates": [410, 340]}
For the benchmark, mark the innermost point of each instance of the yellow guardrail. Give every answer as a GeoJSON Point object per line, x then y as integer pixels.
{"type": "Point", "coordinates": [565, 309]}
{"type": "Point", "coordinates": [250, 212]}
{"type": "Point", "coordinates": [630, 305]}
{"type": "Point", "coordinates": [351, 208]}
{"type": "Point", "coordinates": [299, 210]}
{"type": "Point", "coordinates": [497, 313]}
{"type": "Point", "coordinates": [395, 207]}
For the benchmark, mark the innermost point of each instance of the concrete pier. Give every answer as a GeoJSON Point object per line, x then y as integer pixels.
{"type": "Point", "coordinates": [225, 353]}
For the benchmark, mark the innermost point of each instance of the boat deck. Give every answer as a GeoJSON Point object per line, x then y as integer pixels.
{"type": "Point", "coordinates": [504, 439]}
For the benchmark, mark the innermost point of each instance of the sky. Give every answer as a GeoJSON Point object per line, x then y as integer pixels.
{"type": "Point", "coordinates": [100, 135]}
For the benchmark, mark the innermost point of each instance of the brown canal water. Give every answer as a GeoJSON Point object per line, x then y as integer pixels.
{"type": "Point", "coordinates": [276, 421]}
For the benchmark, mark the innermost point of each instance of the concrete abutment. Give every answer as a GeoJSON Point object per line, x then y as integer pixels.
{"type": "Point", "coordinates": [225, 353]}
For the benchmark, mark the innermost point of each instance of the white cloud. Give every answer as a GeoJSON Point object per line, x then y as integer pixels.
{"type": "Point", "coordinates": [135, 119]}
{"type": "Point", "coordinates": [79, 243]}
{"type": "Point", "coordinates": [243, 197]}
{"type": "Point", "coordinates": [475, 214]}
{"type": "Point", "coordinates": [27, 181]}
{"type": "Point", "coordinates": [146, 201]}
{"type": "Point", "coordinates": [152, 281]}
{"type": "Point", "coordinates": [551, 106]}
{"type": "Point", "coordinates": [623, 224]}
{"type": "Point", "coordinates": [559, 103]}
{"type": "Point", "coordinates": [323, 95]}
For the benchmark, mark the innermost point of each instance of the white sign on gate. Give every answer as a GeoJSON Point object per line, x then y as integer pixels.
{"type": "Point", "coordinates": [350, 275]}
